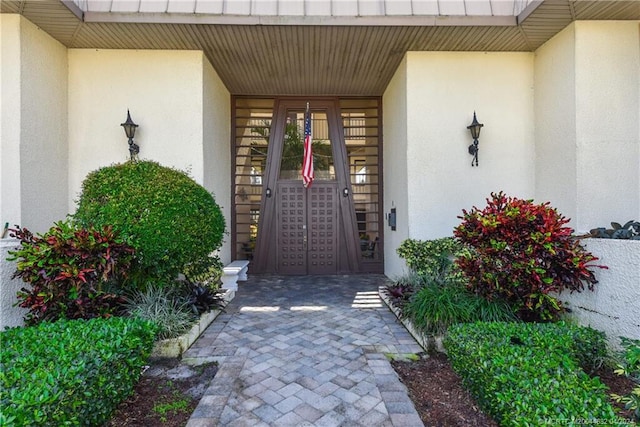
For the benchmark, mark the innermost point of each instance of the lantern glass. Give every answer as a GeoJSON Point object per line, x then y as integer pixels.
{"type": "Point", "coordinates": [129, 126]}
{"type": "Point", "coordinates": [475, 127]}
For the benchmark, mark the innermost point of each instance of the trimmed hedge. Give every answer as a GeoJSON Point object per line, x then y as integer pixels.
{"type": "Point", "coordinates": [172, 222]}
{"type": "Point", "coordinates": [529, 374]}
{"type": "Point", "coordinates": [70, 372]}
{"type": "Point", "coordinates": [425, 256]}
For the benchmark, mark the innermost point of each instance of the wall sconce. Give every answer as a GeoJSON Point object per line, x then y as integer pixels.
{"type": "Point", "coordinates": [130, 130]}
{"type": "Point", "coordinates": [474, 127]}
{"type": "Point", "coordinates": [268, 192]}
{"type": "Point", "coordinates": [345, 192]}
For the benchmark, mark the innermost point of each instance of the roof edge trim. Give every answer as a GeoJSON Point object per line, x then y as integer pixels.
{"type": "Point", "coordinates": [531, 7]}
{"type": "Point", "coordinates": [209, 19]}
{"type": "Point", "coordinates": [73, 8]}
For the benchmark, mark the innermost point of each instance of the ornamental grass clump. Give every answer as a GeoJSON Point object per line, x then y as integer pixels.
{"type": "Point", "coordinates": [523, 253]}
{"type": "Point", "coordinates": [173, 223]}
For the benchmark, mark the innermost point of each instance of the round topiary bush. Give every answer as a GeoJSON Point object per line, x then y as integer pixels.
{"type": "Point", "coordinates": [173, 223]}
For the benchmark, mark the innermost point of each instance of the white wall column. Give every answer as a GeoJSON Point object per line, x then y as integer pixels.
{"type": "Point", "coordinates": [587, 123]}
{"type": "Point", "coordinates": [217, 161]}
{"type": "Point", "coordinates": [33, 143]}
{"type": "Point", "coordinates": [395, 170]}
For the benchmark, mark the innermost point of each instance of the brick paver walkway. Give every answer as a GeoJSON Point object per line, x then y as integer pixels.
{"type": "Point", "coordinates": [305, 351]}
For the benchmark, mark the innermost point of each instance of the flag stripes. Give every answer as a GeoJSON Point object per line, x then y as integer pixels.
{"type": "Point", "coordinates": [307, 161]}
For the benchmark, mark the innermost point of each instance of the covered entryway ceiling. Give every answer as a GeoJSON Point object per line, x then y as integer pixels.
{"type": "Point", "coordinates": [312, 55]}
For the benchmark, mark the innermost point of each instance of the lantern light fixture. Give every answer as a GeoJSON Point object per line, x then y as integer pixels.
{"type": "Point", "coordinates": [474, 128]}
{"type": "Point", "coordinates": [130, 130]}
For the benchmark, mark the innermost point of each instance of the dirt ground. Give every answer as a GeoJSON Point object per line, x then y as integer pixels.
{"type": "Point", "coordinates": [437, 393]}
{"type": "Point", "coordinates": [166, 395]}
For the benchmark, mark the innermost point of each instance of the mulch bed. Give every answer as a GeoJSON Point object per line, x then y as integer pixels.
{"type": "Point", "coordinates": [437, 393]}
{"type": "Point", "coordinates": [162, 392]}
{"type": "Point", "coordinates": [441, 400]}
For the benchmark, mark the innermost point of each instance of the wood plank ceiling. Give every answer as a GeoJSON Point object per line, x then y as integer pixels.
{"type": "Point", "coordinates": [320, 58]}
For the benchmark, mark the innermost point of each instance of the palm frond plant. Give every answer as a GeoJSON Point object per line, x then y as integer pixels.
{"type": "Point", "coordinates": [293, 149]}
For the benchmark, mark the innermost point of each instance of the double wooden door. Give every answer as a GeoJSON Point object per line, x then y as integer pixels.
{"type": "Point", "coordinates": [307, 230]}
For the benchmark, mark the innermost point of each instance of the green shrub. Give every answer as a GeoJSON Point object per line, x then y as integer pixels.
{"type": "Point", "coordinates": [425, 257]}
{"type": "Point", "coordinates": [630, 367]}
{"type": "Point", "coordinates": [70, 372]}
{"type": "Point", "coordinates": [173, 223]}
{"type": "Point", "coordinates": [437, 299]}
{"type": "Point", "coordinates": [523, 253]}
{"type": "Point", "coordinates": [430, 263]}
{"type": "Point", "coordinates": [68, 269]}
{"type": "Point", "coordinates": [528, 374]}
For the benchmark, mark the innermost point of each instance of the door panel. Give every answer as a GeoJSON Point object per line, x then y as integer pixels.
{"type": "Point", "coordinates": [292, 257]}
{"type": "Point", "coordinates": [307, 228]}
{"type": "Point", "coordinates": [322, 214]}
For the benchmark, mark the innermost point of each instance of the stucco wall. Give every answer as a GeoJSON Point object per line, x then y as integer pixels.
{"type": "Point", "coordinates": [614, 305]}
{"type": "Point", "coordinates": [43, 122]}
{"type": "Point", "coordinates": [10, 120]}
{"type": "Point", "coordinates": [607, 117]}
{"type": "Point", "coordinates": [216, 151]}
{"type": "Point", "coordinates": [443, 90]}
{"type": "Point", "coordinates": [162, 90]}
{"type": "Point", "coordinates": [177, 99]}
{"type": "Point", "coordinates": [34, 130]}
{"type": "Point", "coordinates": [555, 119]}
{"type": "Point", "coordinates": [587, 114]}
{"type": "Point", "coordinates": [394, 107]}
{"type": "Point", "coordinates": [9, 315]}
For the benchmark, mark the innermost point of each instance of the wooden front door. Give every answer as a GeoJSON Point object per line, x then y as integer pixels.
{"type": "Point", "coordinates": [307, 230]}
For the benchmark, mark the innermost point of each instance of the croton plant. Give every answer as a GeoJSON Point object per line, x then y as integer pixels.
{"type": "Point", "coordinates": [524, 253]}
{"type": "Point", "coordinates": [67, 270]}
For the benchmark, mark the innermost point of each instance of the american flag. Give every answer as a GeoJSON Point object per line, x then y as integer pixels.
{"type": "Point", "coordinates": [307, 160]}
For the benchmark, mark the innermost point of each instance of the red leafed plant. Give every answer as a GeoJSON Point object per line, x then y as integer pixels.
{"type": "Point", "coordinates": [67, 268]}
{"type": "Point", "coordinates": [522, 253]}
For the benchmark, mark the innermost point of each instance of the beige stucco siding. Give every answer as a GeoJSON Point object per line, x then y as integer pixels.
{"type": "Point", "coordinates": [217, 160]}
{"type": "Point", "coordinates": [394, 106]}
{"type": "Point", "coordinates": [607, 118]}
{"type": "Point", "coordinates": [555, 118]}
{"type": "Point", "coordinates": [34, 131]}
{"type": "Point", "coordinates": [442, 90]}
{"type": "Point", "coordinates": [162, 90]}
{"type": "Point", "coordinates": [587, 115]}
{"type": "Point", "coordinates": [10, 121]}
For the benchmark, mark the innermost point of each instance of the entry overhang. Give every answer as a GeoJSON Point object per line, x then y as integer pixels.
{"type": "Point", "coordinates": [301, 47]}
